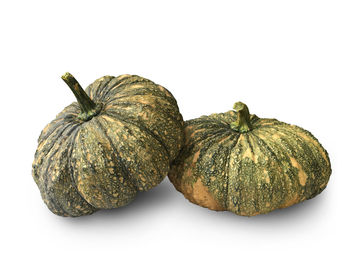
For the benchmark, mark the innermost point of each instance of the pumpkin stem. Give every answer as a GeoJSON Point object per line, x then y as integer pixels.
{"type": "Point", "coordinates": [88, 107]}
{"type": "Point", "coordinates": [242, 124]}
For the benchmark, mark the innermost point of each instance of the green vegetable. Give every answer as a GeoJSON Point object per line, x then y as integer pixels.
{"type": "Point", "coordinates": [117, 140]}
{"type": "Point", "coordinates": [238, 162]}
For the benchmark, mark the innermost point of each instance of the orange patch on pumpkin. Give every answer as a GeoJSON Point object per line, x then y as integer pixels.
{"type": "Point", "coordinates": [316, 144]}
{"type": "Point", "coordinates": [301, 174]}
{"type": "Point", "coordinates": [203, 197]}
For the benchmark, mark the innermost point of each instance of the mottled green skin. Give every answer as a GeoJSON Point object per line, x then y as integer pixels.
{"type": "Point", "coordinates": [274, 165]}
{"type": "Point", "coordinates": [81, 166]}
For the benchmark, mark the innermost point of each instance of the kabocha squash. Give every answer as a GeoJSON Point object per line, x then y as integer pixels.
{"type": "Point", "coordinates": [117, 140]}
{"type": "Point", "coordinates": [238, 162]}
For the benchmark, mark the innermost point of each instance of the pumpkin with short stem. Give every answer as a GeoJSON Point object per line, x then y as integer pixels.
{"type": "Point", "coordinates": [117, 140]}
{"type": "Point", "coordinates": [238, 162]}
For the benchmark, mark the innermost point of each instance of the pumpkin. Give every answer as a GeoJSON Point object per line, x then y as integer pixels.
{"type": "Point", "coordinates": [118, 139]}
{"type": "Point", "coordinates": [238, 162]}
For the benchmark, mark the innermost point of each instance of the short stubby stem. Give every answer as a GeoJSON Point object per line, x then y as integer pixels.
{"type": "Point", "coordinates": [88, 107]}
{"type": "Point", "coordinates": [242, 123]}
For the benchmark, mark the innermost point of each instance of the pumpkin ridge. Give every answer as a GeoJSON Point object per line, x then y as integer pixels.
{"type": "Point", "coordinates": [57, 206]}
{"type": "Point", "coordinates": [117, 85]}
{"type": "Point", "coordinates": [144, 117]}
{"type": "Point", "coordinates": [191, 187]}
{"type": "Point", "coordinates": [309, 149]}
{"type": "Point", "coordinates": [55, 132]}
{"type": "Point", "coordinates": [149, 88]}
{"type": "Point", "coordinates": [238, 166]}
{"type": "Point", "coordinates": [227, 167]}
{"type": "Point", "coordinates": [206, 121]}
{"type": "Point", "coordinates": [276, 158]}
{"type": "Point", "coordinates": [163, 98]}
{"type": "Point", "coordinates": [248, 194]}
{"type": "Point", "coordinates": [73, 185]}
{"type": "Point", "coordinates": [117, 159]}
{"type": "Point", "coordinates": [46, 167]}
{"type": "Point", "coordinates": [71, 168]}
{"type": "Point", "coordinates": [74, 174]}
{"type": "Point", "coordinates": [69, 113]}
{"type": "Point", "coordinates": [48, 194]}
{"type": "Point", "coordinates": [127, 103]}
{"type": "Point", "coordinates": [114, 83]}
{"type": "Point", "coordinates": [140, 185]}
{"type": "Point", "coordinates": [54, 205]}
{"type": "Point", "coordinates": [259, 124]}
{"type": "Point", "coordinates": [141, 127]}
{"type": "Point", "coordinates": [260, 140]}
{"type": "Point", "coordinates": [204, 138]}
{"type": "Point", "coordinates": [164, 101]}
{"type": "Point", "coordinates": [156, 92]}
{"type": "Point", "coordinates": [305, 133]}
{"type": "Point", "coordinates": [97, 180]}
{"type": "Point", "coordinates": [56, 128]}
{"type": "Point", "coordinates": [134, 79]}
{"type": "Point", "coordinates": [49, 157]}
{"type": "Point", "coordinates": [254, 160]}
{"type": "Point", "coordinates": [96, 92]}
{"type": "Point", "coordinates": [210, 144]}
{"type": "Point", "coordinates": [209, 129]}
{"type": "Point", "coordinates": [137, 81]}
{"type": "Point", "coordinates": [112, 91]}
{"type": "Point", "coordinates": [260, 197]}
{"type": "Point", "coordinates": [251, 148]}
{"type": "Point", "coordinates": [209, 141]}
{"type": "Point", "coordinates": [103, 183]}
{"type": "Point", "coordinates": [103, 92]}
{"type": "Point", "coordinates": [294, 176]}
{"type": "Point", "coordinates": [286, 132]}
{"type": "Point", "coordinates": [48, 130]}
{"type": "Point", "coordinates": [210, 123]}
{"type": "Point", "coordinates": [200, 133]}
{"type": "Point", "coordinates": [125, 171]}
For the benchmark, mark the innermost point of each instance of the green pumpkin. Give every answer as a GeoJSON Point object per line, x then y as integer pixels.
{"type": "Point", "coordinates": [117, 140]}
{"type": "Point", "coordinates": [238, 162]}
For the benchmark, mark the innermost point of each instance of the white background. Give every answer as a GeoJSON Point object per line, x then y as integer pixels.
{"type": "Point", "coordinates": [286, 59]}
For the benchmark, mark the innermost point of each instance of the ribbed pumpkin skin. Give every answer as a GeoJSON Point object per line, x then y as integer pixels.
{"type": "Point", "coordinates": [81, 166]}
{"type": "Point", "coordinates": [274, 165]}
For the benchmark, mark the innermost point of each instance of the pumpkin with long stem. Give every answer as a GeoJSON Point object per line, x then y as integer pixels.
{"type": "Point", "coordinates": [117, 140]}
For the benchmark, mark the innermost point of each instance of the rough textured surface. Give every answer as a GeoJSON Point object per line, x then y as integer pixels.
{"type": "Point", "coordinates": [81, 166]}
{"type": "Point", "coordinates": [274, 165]}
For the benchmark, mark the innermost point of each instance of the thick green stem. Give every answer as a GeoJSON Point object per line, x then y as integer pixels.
{"type": "Point", "coordinates": [242, 124]}
{"type": "Point", "coordinates": [87, 106]}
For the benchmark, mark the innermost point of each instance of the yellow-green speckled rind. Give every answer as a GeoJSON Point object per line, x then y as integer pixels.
{"type": "Point", "coordinates": [274, 165]}
{"type": "Point", "coordinates": [81, 166]}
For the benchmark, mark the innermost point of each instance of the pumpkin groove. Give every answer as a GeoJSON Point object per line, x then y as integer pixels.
{"type": "Point", "coordinates": [249, 165]}
{"type": "Point", "coordinates": [118, 139]}
{"type": "Point", "coordinates": [142, 127]}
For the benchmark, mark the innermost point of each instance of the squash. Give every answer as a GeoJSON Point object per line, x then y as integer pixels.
{"type": "Point", "coordinates": [238, 162]}
{"type": "Point", "coordinates": [117, 140]}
